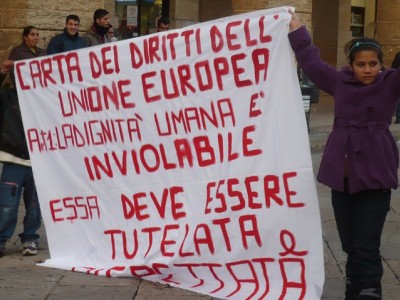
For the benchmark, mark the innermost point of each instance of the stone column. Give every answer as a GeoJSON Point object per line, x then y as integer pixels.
{"type": "Point", "coordinates": [212, 9]}
{"type": "Point", "coordinates": [331, 29]}
{"type": "Point", "coordinates": [184, 12]}
{"type": "Point", "coordinates": [242, 6]}
{"type": "Point", "coordinates": [388, 28]}
{"type": "Point", "coordinates": [303, 7]}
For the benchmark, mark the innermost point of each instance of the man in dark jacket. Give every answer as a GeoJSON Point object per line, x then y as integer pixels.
{"type": "Point", "coordinates": [69, 39]}
{"type": "Point", "coordinates": [96, 34]}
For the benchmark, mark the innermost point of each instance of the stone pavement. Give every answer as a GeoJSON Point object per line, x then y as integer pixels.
{"type": "Point", "coordinates": [21, 279]}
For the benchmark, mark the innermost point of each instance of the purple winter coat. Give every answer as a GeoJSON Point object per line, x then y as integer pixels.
{"type": "Point", "coordinates": [362, 114]}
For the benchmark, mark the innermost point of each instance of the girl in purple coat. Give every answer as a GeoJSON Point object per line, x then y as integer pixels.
{"type": "Point", "coordinates": [361, 158]}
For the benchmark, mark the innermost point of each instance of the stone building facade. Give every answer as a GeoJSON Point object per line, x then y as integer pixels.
{"type": "Point", "coordinates": [328, 21]}
{"type": "Point", "coordinates": [47, 15]}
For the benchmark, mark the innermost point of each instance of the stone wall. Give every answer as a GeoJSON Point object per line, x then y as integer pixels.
{"type": "Point", "coordinates": [47, 15]}
{"type": "Point", "coordinates": [302, 7]}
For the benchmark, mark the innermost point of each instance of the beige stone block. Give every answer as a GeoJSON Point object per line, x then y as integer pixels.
{"type": "Point", "coordinates": [388, 4]}
{"type": "Point", "coordinates": [250, 4]}
{"type": "Point", "coordinates": [388, 33]}
{"type": "Point", "coordinates": [14, 4]}
{"type": "Point", "coordinates": [187, 10]}
{"type": "Point", "coordinates": [14, 18]}
{"type": "Point", "coordinates": [221, 8]}
{"type": "Point", "coordinates": [238, 5]}
{"type": "Point", "coordinates": [261, 4]}
{"type": "Point", "coordinates": [110, 7]}
{"type": "Point", "coordinates": [42, 18]}
{"type": "Point", "coordinates": [13, 38]}
{"type": "Point", "coordinates": [237, 12]}
{"type": "Point", "coordinates": [344, 18]}
{"type": "Point", "coordinates": [343, 37]}
{"type": "Point", "coordinates": [3, 55]}
{"type": "Point", "coordinates": [183, 23]}
{"type": "Point", "coordinates": [388, 14]}
{"type": "Point", "coordinates": [306, 20]}
{"type": "Point", "coordinates": [47, 5]}
{"type": "Point", "coordinates": [80, 6]}
{"type": "Point", "coordinates": [299, 5]}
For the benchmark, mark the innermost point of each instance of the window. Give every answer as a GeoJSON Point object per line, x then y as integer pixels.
{"type": "Point", "coordinates": [357, 21]}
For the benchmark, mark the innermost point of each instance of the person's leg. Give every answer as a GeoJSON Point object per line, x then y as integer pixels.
{"type": "Point", "coordinates": [32, 219]}
{"type": "Point", "coordinates": [371, 210]}
{"type": "Point", "coordinates": [11, 182]}
{"type": "Point", "coordinates": [343, 206]}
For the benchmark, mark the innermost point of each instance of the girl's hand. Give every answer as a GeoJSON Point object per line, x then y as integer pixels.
{"type": "Point", "coordinates": [295, 22]}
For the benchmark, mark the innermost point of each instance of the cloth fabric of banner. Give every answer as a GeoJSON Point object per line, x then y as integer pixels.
{"type": "Point", "coordinates": [180, 157]}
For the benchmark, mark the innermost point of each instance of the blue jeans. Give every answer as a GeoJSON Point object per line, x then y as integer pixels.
{"type": "Point", "coordinates": [15, 180]}
{"type": "Point", "coordinates": [360, 218]}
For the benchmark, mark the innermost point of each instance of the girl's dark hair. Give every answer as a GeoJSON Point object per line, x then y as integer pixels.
{"type": "Point", "coordinates": [361, 44]}
{"type": "Point", "coordinates": [27, 30]}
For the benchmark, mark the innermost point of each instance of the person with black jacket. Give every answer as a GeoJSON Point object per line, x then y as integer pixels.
{"type": "Point", "coordinates": [16, 176]}
{"type": "Point", "coordinates": [69, 39]}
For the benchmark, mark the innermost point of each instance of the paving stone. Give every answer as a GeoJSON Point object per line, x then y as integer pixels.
{"type": "Point", "coordinates": [91, 292]}
{"type": "Point", "coordinates": [152, 290]}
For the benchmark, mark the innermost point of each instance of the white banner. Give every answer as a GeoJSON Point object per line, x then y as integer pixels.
{"type": "Point", "coordinates": [180, 157]}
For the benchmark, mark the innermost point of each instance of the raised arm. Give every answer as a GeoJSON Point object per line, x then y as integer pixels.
{"type": "Point", "coordinates": [308, 57]}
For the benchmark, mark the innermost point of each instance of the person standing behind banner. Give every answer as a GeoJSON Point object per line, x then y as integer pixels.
{"type": "Point", "coordinates": [361, 159]}
{"type": "Point", "coordinates": [17, 176]}
{"type": "Point", "coordinates": [69, 39]}
{"type": "Point", "coordinates": [96, 34]}
{"type": "Point", "coordinates": [28, 48]}
{"type": "Point", "coordinates": [111, 35]}
{"type": "Point", "coordinates": [163, 24]}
